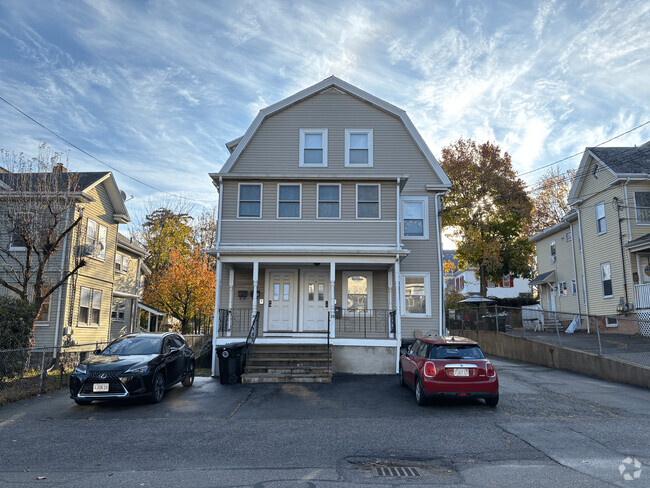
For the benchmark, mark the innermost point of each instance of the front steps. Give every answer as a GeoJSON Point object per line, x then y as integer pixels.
{"type": "Point", "coordinates": [288, 363]}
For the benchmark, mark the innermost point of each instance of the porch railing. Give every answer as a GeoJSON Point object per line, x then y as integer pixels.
{"type": "Point", "coordinates": [366, 324]}
{"type": "Point", "coordinates": [642, 295]}
{"type": "Point", "coordinates": [235, 322]}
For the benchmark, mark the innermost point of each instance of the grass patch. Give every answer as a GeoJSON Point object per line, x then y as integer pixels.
{"type": "Point", "coordinates": [14, 390]}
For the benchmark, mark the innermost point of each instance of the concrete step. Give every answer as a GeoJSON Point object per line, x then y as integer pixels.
{"type": "Point", "coordinates": [288, 369]}
{"type": "Point", "coordinates": [279, 361]}
{"type": "Point", "coordinates": [290, 347]}
{"type": "Point", "coordinates": [290, 355]}
{"type": "Point", "coordinates": [248, 378]}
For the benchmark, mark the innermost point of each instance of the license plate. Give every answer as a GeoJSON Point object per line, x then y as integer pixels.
{"type": "Point", "coordinates": [100, 387]}
{"type": "Point", "coordinates": [461, 372]}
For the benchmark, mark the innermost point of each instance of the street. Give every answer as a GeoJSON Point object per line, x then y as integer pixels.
{"type": "Point", "coordinates": [551, 429]}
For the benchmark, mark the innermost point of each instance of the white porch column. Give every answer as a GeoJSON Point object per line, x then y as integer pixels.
{"type": "Point", "coordinates": [331, 320]}
{"type": "Point", "coordinates": [215, 321]}
{"type": "Point", "coordinates": [390, 299]}
{"type": "Point", "coordinates": [149, 322]}
{"type": "Point", "coordinates": [398, 314]}
{"type": "Point", "coordinates": [231, 291]}
{"type": "Point", "coordinates": [256, 274]}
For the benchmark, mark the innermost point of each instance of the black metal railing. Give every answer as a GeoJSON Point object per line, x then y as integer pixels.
{"type": "Point", "coordinates": [366, 324]}
{"type": "Point", "coordinates": [235, 322]}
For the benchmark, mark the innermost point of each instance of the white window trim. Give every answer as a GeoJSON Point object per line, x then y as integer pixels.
{"type": "Point", "coordinates": [427, 294]}
{"type": "Point", "coordinates": [344, 298]}
{"type": "Point", "coordinates": [95, 255]}
{"type": "Point", "coordinates": [562, 290]}
{"type": "Point", "coordinates": [378, 201]}
{"type": "Point", "coordinates": [46, 323]}
{"type": "Point", "coordinates": [552, 245]}
{"type": "Point", "coordinates": [277, 206]}
{"type": "Point", "coordinates": [318, 185]}
{"type": "Point", "coordinates": [261, 185]}
{"type": "Point", "coordinates": [425, 226]}
{"type": "Point", "coordinates": [89, 324]}
{"type": "Point", "coordinates": [369, 164]}
{"type": "Point", "coordinates": [301, 155]}
{"type": "Point", "coordinates": [114, 302]}
{"type": "Point", "coordinates": [607, 323]}
{"type": "Point", "coordinates": [636, 210]}
{"type": "Point", "coordinates": [122, 258]}
{"type": "Point", "coordinates": [602, 279]}
{"type": "Point", "coordinates": [604, 218]}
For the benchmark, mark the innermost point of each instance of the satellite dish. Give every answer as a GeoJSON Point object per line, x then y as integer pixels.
{"type": "Point", "coordinates": [123, 195]}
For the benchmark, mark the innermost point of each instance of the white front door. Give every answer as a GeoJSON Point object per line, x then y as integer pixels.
{"type": "Point", "coordinates": [644, 268]}
{"type": "Point", "coordinates": [315, 299]}
{"type": "Point", "coordinates": [281, 303]}
{"type": "Point", "coordinates": [551, 298]}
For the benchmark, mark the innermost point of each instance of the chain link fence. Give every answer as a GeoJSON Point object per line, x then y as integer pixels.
{"type": "Point", "coordinates": [626, 338]}
{"type": "Point", "coordinates": [34, 371]}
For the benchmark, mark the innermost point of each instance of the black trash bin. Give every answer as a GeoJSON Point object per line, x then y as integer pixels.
{"type": "Point", "coordinates": [231, 362]}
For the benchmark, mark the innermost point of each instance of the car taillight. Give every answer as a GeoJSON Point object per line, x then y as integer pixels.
{"type": "Point", "coordinates": [490, 369]}
{"type": "Point", "coordinates": [429, 369]}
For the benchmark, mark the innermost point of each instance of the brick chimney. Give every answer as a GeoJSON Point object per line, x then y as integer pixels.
{"type": "Point", "coordinates": [59, 168]}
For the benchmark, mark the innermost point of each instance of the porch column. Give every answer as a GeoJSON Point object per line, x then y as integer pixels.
{"type": "Point", "coordinates": [331, 320]}
{"type": "Point", "coordinates": [390, 300]}
{"type": "Point", "coordinates": [398, 314]}
{"type": "Point", "coordinates": [148, 321]}
{"type": "Point", "coordinates": [231, 291]}
{"type": "Point", "coordinates": [215, 321]}
{"type": "Point", "coordinates": [256, 273]}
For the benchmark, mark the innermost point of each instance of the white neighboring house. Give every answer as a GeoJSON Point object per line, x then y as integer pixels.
{"type": "Point", "coordinates": [467, 282]}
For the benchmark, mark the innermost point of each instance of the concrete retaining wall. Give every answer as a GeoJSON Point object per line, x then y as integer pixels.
{"type": "Point", "coordinates": [552, 356]}
{"type": "Point", "coordinates": [363, 359]}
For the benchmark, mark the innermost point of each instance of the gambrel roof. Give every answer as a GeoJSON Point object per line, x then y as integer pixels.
{"type": "Point", "coordinates": [237, 146]}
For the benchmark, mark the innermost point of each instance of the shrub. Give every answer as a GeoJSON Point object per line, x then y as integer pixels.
{"type": "Point", "coordinates": [516, 302]}
{"type": "Point", "coordinates": [16, 325]}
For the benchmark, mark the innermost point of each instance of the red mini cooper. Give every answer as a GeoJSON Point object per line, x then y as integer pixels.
{"type": "Point", "coordinates": [438, 367]}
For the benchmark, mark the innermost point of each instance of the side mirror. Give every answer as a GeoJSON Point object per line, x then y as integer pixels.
{"type": "Point", "coordinates": [97, 352]}
{"type": "Point", "coordinates": [173, 350]}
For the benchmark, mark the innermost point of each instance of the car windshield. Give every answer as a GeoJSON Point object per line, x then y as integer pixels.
{"type": "Point", "coordinates": [448, 351]}
{"type": "Point", "coordinates": [127, 346]}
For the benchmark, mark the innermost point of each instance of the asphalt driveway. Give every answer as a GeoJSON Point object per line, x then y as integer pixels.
{"type": "Point", "coordinates": [551, 427]}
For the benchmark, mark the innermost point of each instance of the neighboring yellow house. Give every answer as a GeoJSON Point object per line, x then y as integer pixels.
{"type": "Point", "coordinates": [81, 309]}
{"type": "Point", "coordinates": [597, 260]}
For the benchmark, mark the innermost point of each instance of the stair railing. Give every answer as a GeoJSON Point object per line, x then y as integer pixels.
{"type": "Point", "coordinates": [330, 318]}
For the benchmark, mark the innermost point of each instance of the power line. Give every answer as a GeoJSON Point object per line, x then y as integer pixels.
{"type": "Point", "coordinates": [578, 154]}
{"type": "Point", "coordinates": [97, 159]}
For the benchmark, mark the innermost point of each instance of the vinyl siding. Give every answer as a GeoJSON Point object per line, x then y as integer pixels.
{"type": "Point", "coordinates": [274, 148]}
{"type": "Point", "coordinates": [309, 229]}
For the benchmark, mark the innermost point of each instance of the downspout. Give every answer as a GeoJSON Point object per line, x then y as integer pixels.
{"type": "Point", "coordinates": [584, 272]}
{"type": "Point", "coordinates": [575, 270]}
{"type": "Point", "coordinates": [627, 211]}
{"type": "Point", "coordinates": [215, 320]}
{"type": "Point", "coordinates": [441, 306]}
{"type": "Point", "coordinates": [61, 288]}
{"type": "Point", "coordinates": [620, 237]}
{"type": "Point", "coordinates": [398, 219]}
{"type": "Point", "coordinates": [397, 277]}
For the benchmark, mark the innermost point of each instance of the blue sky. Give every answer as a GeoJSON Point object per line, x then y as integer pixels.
{"type": "Point", "coordinates": [155, 89]}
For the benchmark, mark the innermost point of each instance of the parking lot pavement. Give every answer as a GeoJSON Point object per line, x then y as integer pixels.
{"type": "Point", "coordinates": [551, 427]}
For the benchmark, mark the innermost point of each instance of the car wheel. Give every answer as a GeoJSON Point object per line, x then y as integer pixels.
{"type": "Point", "coordinates": [492, 402]}
{"type": "Point", "coordinates": [78, 401]}
{"type": "Point", "coordinates": [189, 379]}
{"type": "Point", "coordinates": [158, 388]}
{"type": "Point", "coordinates": [419, 392]}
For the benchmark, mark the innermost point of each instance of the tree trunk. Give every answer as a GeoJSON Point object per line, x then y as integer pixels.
{"type": "Point", "coordinates": [482, 277]}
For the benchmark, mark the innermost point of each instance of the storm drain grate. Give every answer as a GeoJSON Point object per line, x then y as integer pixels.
{"type": "Point", "coordinates": [395, 472]}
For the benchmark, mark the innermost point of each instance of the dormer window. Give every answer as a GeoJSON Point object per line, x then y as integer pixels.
{"type": "Point", "coordinates": [358, 147]}
{"type": "Point", "coordinates": [313, 147]}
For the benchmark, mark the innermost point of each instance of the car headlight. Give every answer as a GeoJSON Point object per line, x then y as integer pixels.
{"type": "Point", "coordinates": [81, 369]}
{"type": "Point", "coordinates": [139, 369]}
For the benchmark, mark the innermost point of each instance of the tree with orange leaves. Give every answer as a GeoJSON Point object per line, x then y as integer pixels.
{"type": "Point", "coordinates": [184, 289]}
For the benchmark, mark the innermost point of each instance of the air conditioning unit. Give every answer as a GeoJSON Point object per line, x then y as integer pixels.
{"type": "Point", "coordinates": [67, 330]}
{"type": "Point", "coordinates": [89, 249]}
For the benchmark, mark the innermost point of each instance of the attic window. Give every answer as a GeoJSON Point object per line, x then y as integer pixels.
{"type": "Point", "coordinates": [313, 147]}
{"type": "Point", "coordinates": [358, 147]}
{"type": "Point", "coordinates": [596, 171]}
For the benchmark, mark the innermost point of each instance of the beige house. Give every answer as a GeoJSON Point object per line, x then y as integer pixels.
{"type": "Point", "coordinates": [81, 309]}
{"type": "Point", "coordinates": [597, 260]}
{"type": "Point", "coordinates": [329, 228]}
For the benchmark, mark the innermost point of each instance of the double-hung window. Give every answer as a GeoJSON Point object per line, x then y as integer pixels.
{"type": "Point", "coordinates": [90, 306]}
{"type": "Point", "coordinates": [553, 252]}
{"type": "Point", "coordinates": [642, 205]}
{"type": "Point", "coordinates": [601, 225]}
{"type": "Point", "coordinates": [329, 201]}
{"type": "Point", "coordinates": [43, 317]}
{"type": "Point", "coordinates": [415, 299]}
{"type": "Point", "coordinates": [250, 200]}
{"type": "Point", "coordinates": [118, 308]}
{"type": "Point", "coordinates": [121, 263]}
{"type": "Point", "coordinates": [415, 218]}
{"type": "Point", "coordinates": [96, 239]}
{"type": "Point", "coordinates": [289, 201]}
{"type": "Point", "coordinates": [606, 276]}
{"type": "Point", "coordinates": [368, 201]}
{"type": "Point", "coordinates": [562, 289]}
{"type": "Point", "coordinates": [313, 147]}
{"type": "Point", "coordinates": [358, 147]}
